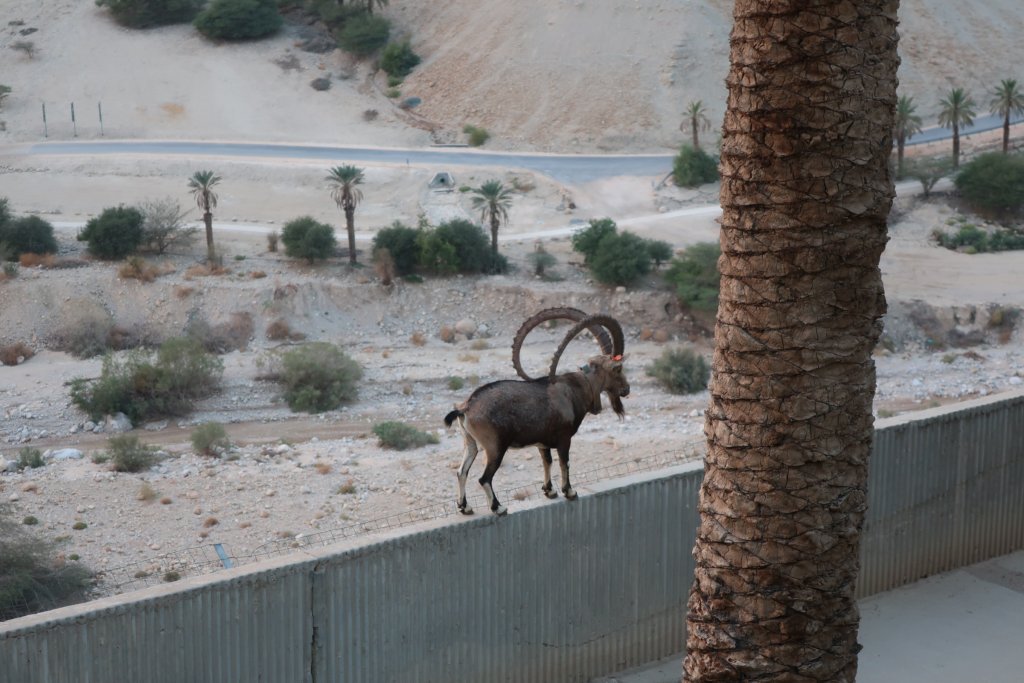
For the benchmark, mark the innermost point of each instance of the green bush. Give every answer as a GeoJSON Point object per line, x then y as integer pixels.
{"type": "Point", "coordinates": [31, 578]}
{"type": "Point", "coordinates": [364, 34]}
{"type": "Point", "coordinates": [621, 259]}
{"type": "Point", "coordinates": [144, 387]}
{"type": "Point", "coordinates": [455, 383]}
{"type": "Point", "coordinates": [659, 251]}
{"type": "Point", "coordinates": [126, 453]}
{"type": "Point", "coordinates": [115, 233]}
{"type": "Point", "coordinates": [30, 458]}
{"type": "Point", "coordinates": [694, 274]}
{"type": "Point", "coordinates": [308, 239]}
{"type": "Point", "coordinates": [331, 12]}
{"type": "Point", "coordinates": [28, 235]}
{"type": "Point", "coordinates": [398, 59]}
{"type": "Point", "coordinates": [586, 240]}
{"type": "Point", "coordinates": [403, 244]}
{"type": "Point", "coordinates": [400, 436]}
{"type": "Point", "coordinates": [148, 13]}
{"type": "Point", "coordinates": [541, 260]}
{"type": "Point", "coordinates": [680, 371]}
{"type": "Point", "coordinates": [928, 171]}
{"type": "Point", "coordinates": [693, 167]}
{"type": "Point", "coordinates": [458, 246]}
{"type": "Point", "coordinates": [993, 183]}
{"type": "Point", "coordinates": [973, 240]}
{"type": "Point", "coordinates": [477, 136]}
{"type": "Point", "coordinates": [318, 377]}
{"type": "Point", "coordinates": [239, 19]}
{"type": "Point", "coordinates": [210, 438]}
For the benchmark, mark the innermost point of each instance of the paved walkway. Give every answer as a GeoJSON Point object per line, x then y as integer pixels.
{"type": "Point", "coordinates": [965, 626]}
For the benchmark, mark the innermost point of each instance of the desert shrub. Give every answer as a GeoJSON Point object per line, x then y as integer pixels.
{"type": "Point", "coordinates": [88, 332]}
{"type": "Point", "coordinates": [272, 237]}
{"type": "Point", "coordinates": [30, 520]}
{"type": "Point", "coordinates": [659, 251]}
{"type": "Point", "coordinates": [30, 458]}
{"type": "Point", "coordinates": [137, 268]}
{"type": "Point", "coordinates": [25, 46]}
{"type": "Point", "coordinates": [279, 330]}
{"type": "Point", "coordinates": [384, 266]}
{"type": "Point", "coordinates": [477, 136]}
{"type": "Point", "coordinates": [993, 183]}
{"type": "Point", "coordinates": [27, 235]}
{"type": "Point", "coordinates": [586, 240]}
{"type": "Point", "coordinates": [32, 578]}
{"type": "Point", "coordinates": [693, 167]}
{"type": "Point", "coordinates": [455, 383]}
{"type": "Point", "coordinates": [694, 274]}
{"type": "Point", "coordinates": [928, 171]}
{"type": "Point", "coordinates": [402, 242]}
{"type": "Point", "coordinates": [320, 84]}
{"type": "Point", "coordinates": [541, 260]}
{"type": "Point", "coordinates": [398, 59]}
{"type": "Point", "coordinates": [364, 34]}
{"type": "Point", "coordinates": [308, 239]}
{"type": "Point", "coordinates": [239, 19]}
{"type": "Point", "coordinates": [1006, 240]}
{"type": "Point", "coordinates": [143, 385]}
{"type": "Point", "coordinates": [210, 438]}
{"type": "Point", "coordinates": [126, 453]}
{"type": "Point", "coordinates": [680, 371]}
{"type": "Point", "coordinates": [10, 270]}
{"type": "Point", "coordinates": [458, 246]}
{"type": "Point", "coordinates": [163, 225]}
{"type": "Point", "coordinates": [12, 354]}
{"type": "Point", "coordinates": [620, 259]}
{"type": "Point", "coordinates": [400, 436]}
{"type": "Point", "coordinates": [973, 240]}
{"type": "Point", "coordinates": [230, 335]}
{"type": "Point", "coordinates": [115, 233]}
{"type": "Point", "coordinates": [147, 13]}
{"type": "Point", "coordinates": [318, 377]}
{"type": "Point", "coordinates": [370, 115]}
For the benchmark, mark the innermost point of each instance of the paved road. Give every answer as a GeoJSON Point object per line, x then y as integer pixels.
{"type": "Point", "coordinates": [980, 125]}
{"type": "Point", "coordinates": [569, 169]}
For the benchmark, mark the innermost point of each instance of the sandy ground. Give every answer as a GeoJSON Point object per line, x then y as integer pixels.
{"type": "Point", "coordinates": [296, 477]}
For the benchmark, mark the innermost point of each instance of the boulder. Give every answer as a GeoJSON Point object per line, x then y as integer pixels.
{"type": "Point", "coordinates": [117, 423]}
{"type": "Point", "coordinates": [466, 327]}
{"type": "Point", "coordinates": [67, 454]}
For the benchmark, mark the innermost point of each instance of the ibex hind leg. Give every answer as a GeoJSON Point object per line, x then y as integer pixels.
{"type": "Point", "coordinates": [493, 463]}
{"type": "Point", "coordinates": [545, 456]}
{"type": "Point", "coordinates": [469, 455]}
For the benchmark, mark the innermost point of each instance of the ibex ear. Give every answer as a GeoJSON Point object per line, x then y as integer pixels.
{"type": "Point", "coordinates": [585, 369]}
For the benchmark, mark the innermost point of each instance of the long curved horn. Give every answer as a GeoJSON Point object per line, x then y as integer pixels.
{"type": "Point", "coordinates": [558, 313]}
{"type": "Point", "coordinates": [611, 328]}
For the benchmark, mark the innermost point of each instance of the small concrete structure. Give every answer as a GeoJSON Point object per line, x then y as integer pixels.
{"type": "Point", "coordinates": [442, 182]}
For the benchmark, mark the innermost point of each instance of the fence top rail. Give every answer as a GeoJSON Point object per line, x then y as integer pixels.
{"type": "Point", "coordinates": [951, 410]}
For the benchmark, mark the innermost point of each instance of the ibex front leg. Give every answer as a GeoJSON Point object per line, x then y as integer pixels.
{"type": "Point", "coordinates": [545, 456]}
{"type": "Point", "coordinates": [563, 462]}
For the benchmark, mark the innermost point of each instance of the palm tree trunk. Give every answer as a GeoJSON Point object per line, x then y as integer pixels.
{"type": "Point", "coordinates": [693, 125]}
{"type": "Point", "coordinates": [1006, 132]}
{"type": "Point", "coordinates": [901, 142]}
{"type": "Point", "coordinates": [494, 234]}
{"type": "Point", "coordinates": [350, 226]}
{"type": "Point", "coordinates": [806, 189]}
{"type": "Point", "coordinates": [208, 221]}
{"type": "Point", "coordinates": [956, 145]}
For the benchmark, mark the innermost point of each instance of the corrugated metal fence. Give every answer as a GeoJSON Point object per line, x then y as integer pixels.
{"type": "Point", "coordinates": [553, 592]}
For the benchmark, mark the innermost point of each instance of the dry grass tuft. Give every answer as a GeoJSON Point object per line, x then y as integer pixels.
{"type": "Point", "coordinates": [469, 358]}
{"type": "Point", "coordinates": [480, 345]}
{"type": "Point", "coordinates": [278, 330]}
{"type": "Point", "coordinates": [137, 268]}
{"type": "Point", "coordinates": [146, 493]}
{"type": "Point", "coordinates": [210, 521]}
{"type": "Point", "coordinates": [447, 334]}
{"type": "Point", "coordinates": [13, 354]}
{"type": "Point", "coordinates": [41, 260]}
{"type": "Point", "coordinates": [166, 500]}
{"type": "Point", "coordinates": [257, 275]}
{"type": "Point", "coordinates": [183, 292]}
{"type": "Point", "coordinates": [205, 270]}
{"type": "Point", "coordinates": [418, 339]}
{"type": "Point", "coordinates": [323, 467]}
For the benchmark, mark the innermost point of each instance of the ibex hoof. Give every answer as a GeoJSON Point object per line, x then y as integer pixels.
{"type": "Point", "coordinates": [571, 495]}
{"type": "Point", "coordinates": [501, 510]}
{"type": "Point", "coordinates": [550, 493]}
{"type": "Point", "coordinates": [466, 510]}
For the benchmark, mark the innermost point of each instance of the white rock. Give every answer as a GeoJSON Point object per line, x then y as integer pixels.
{"type": "Point", "coordinates": [67, 454]}
{"type": "Point", "coordinates": [465, 326]}
{"type": "Point", "coordinates": [14, 498]}
{"type": "Point", "coordinates": [117, 423]}
{"type": "Point", "coordinates": [1016, 380]}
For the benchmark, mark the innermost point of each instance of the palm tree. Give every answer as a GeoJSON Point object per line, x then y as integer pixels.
{"type": "Point", "coordinates": [494, 200]}
{"type": "Point", "coordinates": [957, 110]}
{"type": "Point", "coordinates": [696, 114]}
{"type": "Point", "coordinates": [806, 189]}
{"type": "Point", "coordinates": [201, 183]}
{"type": "Point", "coordinates": [908, 123]}
{"type": "Point", "coordinates": [379, 3]}
{"type": "Point", "coordinates": [347, 196]}
{"type": "Point", "coordinates": [1007, 100]}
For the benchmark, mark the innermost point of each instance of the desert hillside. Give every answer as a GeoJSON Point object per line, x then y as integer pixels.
{"type": "Point", "coordinates": [555, 75]}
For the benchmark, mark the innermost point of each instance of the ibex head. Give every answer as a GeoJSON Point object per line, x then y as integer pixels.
{"type": "Point", "coordinates": [610, 377]}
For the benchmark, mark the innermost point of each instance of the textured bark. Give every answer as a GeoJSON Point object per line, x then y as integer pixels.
{"type": "Point", "coordinates": [350, 227]}
{"type": "Point", "coordinates": [806, 189]}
